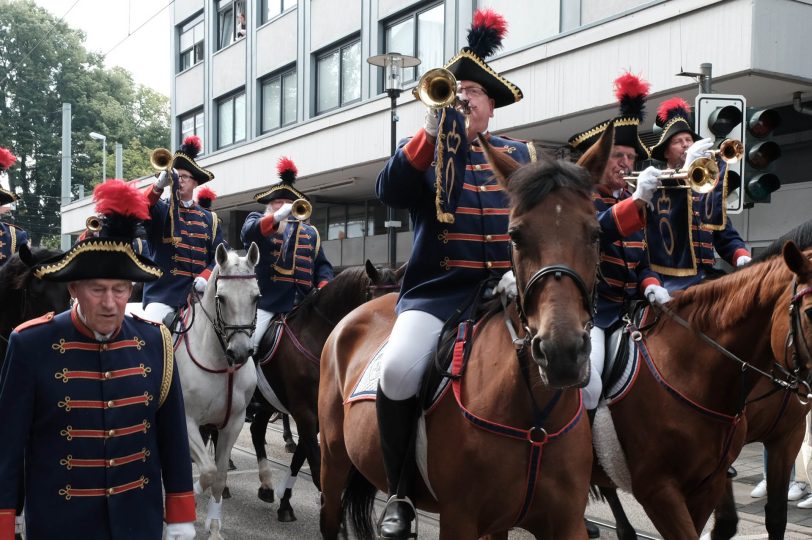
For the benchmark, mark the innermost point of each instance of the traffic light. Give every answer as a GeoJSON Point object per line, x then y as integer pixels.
{"type": "Point", "coordinates": [760, 153]}
{"type": "Point", "coordinates": [721, 116]}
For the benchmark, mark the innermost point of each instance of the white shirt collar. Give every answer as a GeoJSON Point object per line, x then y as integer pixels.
{"type": "Point", "coordinates": [99, 337]}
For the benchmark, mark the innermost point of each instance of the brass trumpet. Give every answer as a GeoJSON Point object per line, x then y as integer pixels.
{"type": "Point", "coordinates": [301, 209]}
{"type": "Point", "coordinates": [700, 176]}
{"type": "Point", "coordinates": [93, 224]}
{"type": "Point", "coordinates": [730, 151]}
{"type": "Point", "coordinates": [161, 159]}
{"type": "Point", "coordinates": [437, 88]}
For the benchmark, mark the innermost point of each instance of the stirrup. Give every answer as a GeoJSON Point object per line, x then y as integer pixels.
{"type": "Point", "coordinates": [393, 499]}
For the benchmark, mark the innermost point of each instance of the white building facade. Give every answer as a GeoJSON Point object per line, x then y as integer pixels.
{"type": "Point", "coordinates": [260, 79]}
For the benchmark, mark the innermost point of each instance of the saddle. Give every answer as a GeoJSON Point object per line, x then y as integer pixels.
{"type": "Point", "coordinates": [618, 344]}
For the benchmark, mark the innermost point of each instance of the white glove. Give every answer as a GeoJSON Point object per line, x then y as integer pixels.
{"type": "Point", "coordinates": [744, 259]}
{"type": "Point", "coordinates": [164, 179]}
{"type": "Point", "coordinates": [431, 122]}
{"type": "Point", "coordinates": [700, 148]}
{"type": "Point", "coordinates": [647, 184]}
{"type": "Point", "coordinates": [657, 294]}
{"type": "Point", "coordinates": [282, 213]}
{"type": "Point", "coordinates": [180, 531]}
{"type": "Point", "coordinates": [200, 284]}
{"type": "Point", "coordinates": [507, 286]}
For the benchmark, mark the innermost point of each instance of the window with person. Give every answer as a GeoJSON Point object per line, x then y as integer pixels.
{"type": "Point", "coordinates": [230, 22]}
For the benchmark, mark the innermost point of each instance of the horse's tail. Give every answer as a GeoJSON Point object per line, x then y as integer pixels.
{"type": "Point", "coordinates": [357, 504]}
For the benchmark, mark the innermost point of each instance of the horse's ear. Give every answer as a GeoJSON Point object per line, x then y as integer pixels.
{"type": "Point", "coordinates": [400, 272]}
{"type": "Point", "coordinates": [796, 260]}
{"type": "Point", "coordinates": [372, 272]}
{"type": "Point", "coordinates": [596, 157]}
{"type": "Point", "coordinates": [501, 163]}
{"type": "Point", "coordinates": [253, 254]}
{"type": "Point", "coordinates": [221, 255]}
{"type": "Point", "coordinates": [26, 256]}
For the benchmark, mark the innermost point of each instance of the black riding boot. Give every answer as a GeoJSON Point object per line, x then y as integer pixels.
{"type": "Point", "coordinates": [396, 423]}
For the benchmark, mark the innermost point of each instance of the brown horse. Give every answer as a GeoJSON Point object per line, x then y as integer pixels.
{"type": "Point", "coordinates": [513, 419]}
{"type": "Point", "coordinates": [681, 424]}
{"type": "Point", "coordinates": [292, 369]}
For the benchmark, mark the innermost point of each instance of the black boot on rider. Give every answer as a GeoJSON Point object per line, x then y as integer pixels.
{"type": "Point", "coordinates": [396, 423]}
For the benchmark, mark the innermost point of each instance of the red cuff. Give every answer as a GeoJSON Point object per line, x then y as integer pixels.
{"type": "Point", "coordinates": [180, 507]}
{"type": "Point", "coordinates": [628, 218]}
{"type": "Point", "coordinates": [649, 281]}
{"type": "Point", "coordinates": [7, 524]}
{"type": "Point", "coordinates": [267, 225]}
{"type": "Point", "coordinates": [322, 283]}
{"type": "Point", "coordinates": [152, 195]}
{"type": "Point", "coordinates": [741, 252]}
{"type": "Point", "coordinates": [419, 151]}
{"type": "Point", "coordinates": [205, 274]}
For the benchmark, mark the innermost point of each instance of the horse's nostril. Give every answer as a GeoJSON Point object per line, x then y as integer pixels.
{"type": "Point", "coordinates": [538, 350]}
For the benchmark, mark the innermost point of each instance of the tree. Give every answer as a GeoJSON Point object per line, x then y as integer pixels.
{"type": "Point", "coordinates": [43, 63]}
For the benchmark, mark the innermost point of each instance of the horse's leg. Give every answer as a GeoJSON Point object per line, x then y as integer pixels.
{"type": "Point", "coordinates": [285, 512]}
{"type": "Point", "coordinates": [287, 435]}
{"type": "Point", "coordinates": [335, 468]}
{"type": "Point", "coordinates": [624, 528]}
{"type": "Point", "coordinates": [225, 442]}
{"type": "Point", "coordinates": [779, 468]}
{"type": "Point", "coordinates": [726, 519]}
{"type": "Point", "coordinates": [259, 426]}
{"type": "Point", "coordinates": [197, 448]}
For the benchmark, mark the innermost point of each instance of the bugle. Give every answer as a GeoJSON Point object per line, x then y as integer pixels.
{"type": "Point", "coordinates": [301, 209]}
{"type": "Point", "coordinates": [730, 151]}
{"type": "Point", "coordinates": [161, 159]}
{"type": "Point", "coordinates": [437, 88]}
{"type": "Point", "coordinates": [700, 176]}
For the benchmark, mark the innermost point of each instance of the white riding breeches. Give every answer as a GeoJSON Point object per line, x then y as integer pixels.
{"type": "Point", "coordinates": [263, 322]}
{"type": "Point", "coordinates": [592, 391]}
{"type": "Point", "coordinates": [410, 348]}
{"type": "Point", "coordinates": [155, 311]}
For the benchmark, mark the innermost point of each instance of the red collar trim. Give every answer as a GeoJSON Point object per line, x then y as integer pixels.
{"type": "Point", "coordinates": [83, 328]}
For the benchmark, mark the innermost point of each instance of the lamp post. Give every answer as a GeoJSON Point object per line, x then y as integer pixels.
{"type": "Point", "coordinates": [103, 139]}
{"type": "Point", "coordinates": [393, 64]}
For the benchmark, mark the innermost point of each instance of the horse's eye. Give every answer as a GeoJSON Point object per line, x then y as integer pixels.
{"type": "Point", "coordinates": [515, 236]}
{"type": "Point", "coordinates": [809, 315]}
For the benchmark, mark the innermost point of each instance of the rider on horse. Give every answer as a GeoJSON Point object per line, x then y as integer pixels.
{"type": "Point", "coordinates": [459, 241]}
{"type": "Point", "coordinates": [93, 416]}
{"type": "Point", "coordinates": [11, 236]}
{"type": "Point", "coordinates": [182, 236]}
{"type": "Point", "coordinates": [291, 259]}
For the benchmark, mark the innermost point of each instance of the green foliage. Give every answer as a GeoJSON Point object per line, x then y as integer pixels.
{"type": "Point", "coordinates": [43, 63]}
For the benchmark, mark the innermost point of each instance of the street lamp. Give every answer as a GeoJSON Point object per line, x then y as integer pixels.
{"type": "Point", "coordinates": [103, 139]}
{"type": "Point", "coordinates": [393, 64]}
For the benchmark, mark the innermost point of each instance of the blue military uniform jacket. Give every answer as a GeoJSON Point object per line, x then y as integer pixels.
{"type": "Point", "coordinates": [449, 259]}
{"type": "Point", "coordinates": [11, 238]}
{"type": "Point", "coordinates": [97, 428]}
{"type": "Point", "coordinates": [191, 255]}
{"type": "Point", "coordinates": [290, 263]}
{"type": "Point", "coordinates": [624, 265]}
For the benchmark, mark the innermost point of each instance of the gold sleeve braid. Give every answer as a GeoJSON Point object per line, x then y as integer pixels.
{"type": "Point", "coordinates": [169, 362]}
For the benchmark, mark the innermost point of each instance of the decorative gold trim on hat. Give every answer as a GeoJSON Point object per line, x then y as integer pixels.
{"type": "Point", "coordinates": [277, 187]}
{"type": "Point", "coordinates": [193, 163]}
{"type": "Point", "coordinates": [667, 126]}
{"type": "Point", "coordinates": [517, 94]}
{"type": "Point", "coordinates": [97, 245]}
{"type": "Point", "coordinates": [581, 137]}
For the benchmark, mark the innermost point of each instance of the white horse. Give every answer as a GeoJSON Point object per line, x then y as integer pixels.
{"type": "Point", "coordinates": [211, 358]}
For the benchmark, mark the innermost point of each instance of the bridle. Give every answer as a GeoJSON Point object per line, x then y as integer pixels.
{"type": "Point", "coordinates": [795, 337]}
{"type": "Point", "coordinates": [223, 330]}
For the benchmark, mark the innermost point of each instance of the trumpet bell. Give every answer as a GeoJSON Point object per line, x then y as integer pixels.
{"type": "Point", "coordinates": [702, 175]}
{"type": "Point", "coordinates": [437, 88]}
{"type": "Point", "coordinates": [731, 151]}
{"type": "Point", "coordinates": [93, 224]}
{"type": "Point", "coordinates": [301, 209]}
{"type": "Point", "coordinates": [160, 159]}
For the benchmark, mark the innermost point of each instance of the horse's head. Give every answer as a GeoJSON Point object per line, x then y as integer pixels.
{"type": "Point", "coordinates": [38, 296]}
{"type": "Point", "coordinates": [382, 280]}
{"type": "Point", "coordinates": [235, 290]}
{"type": "Point", "coordinates": [554, 241]}
{"type": "Point", "coordinates": [800, 310]}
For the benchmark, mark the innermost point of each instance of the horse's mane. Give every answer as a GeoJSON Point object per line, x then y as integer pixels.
{"type": "Point", "coordinates": [534, 181]}
{"type": "Point", "coordinates": [342, 291]}
{"type": "Point", "coordinates": [725, 302]}
{"type": "Point", "coordinates": [15, 273]}
{"type": "Point", "coordinates": [801, 235]}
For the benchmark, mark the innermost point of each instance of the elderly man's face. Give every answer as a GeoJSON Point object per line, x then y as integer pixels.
{"type": "Point", "coordinates": [621, 162]}
{"type": "Point", "coordinates": [102, 302]}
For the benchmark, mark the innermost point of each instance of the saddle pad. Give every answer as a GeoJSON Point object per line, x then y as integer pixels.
{"type": "Point", "coordinates": [623, 360]}
{"type": "Point", "coordinates": [267, 392]}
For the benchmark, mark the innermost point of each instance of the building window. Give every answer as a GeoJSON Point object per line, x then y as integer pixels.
{"type": "Point", "coordinates": [530, 21]}
{"type": "Point", "coordinates": [338, 77]}
{"type": "Point", "coordinates": [230, 22]}
{"type": "Point", "coordinates": [272, 8]}
{"type": "Point", "coordinates": [191, 43]}
{"type": "Point", "coordinates": [231, 119]}
{"type": "Point", "coordinates": [418, 34]}
{"type": "Point", "coordinates": [278, 100]}
{"type": "Point", "coordinates": [192, 124]}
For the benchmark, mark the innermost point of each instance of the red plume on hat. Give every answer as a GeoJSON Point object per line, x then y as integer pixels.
{"type": "Point", "coordinates": [206, 196]}
{"type": "Point", "coordinates": [191, 146]}
{"type": "Point", "coordinates": [486, 33]}
{"type": "Point", "coordinates": [287, 170]}
{"type": "Point", "coordinates": [122, 206]}
{"type": "Point", "coordinates": [631, 92]}
{"type": "Point", "coordinates": [673, 107]}
{"type": "Point", "coordinates": [7, 159]}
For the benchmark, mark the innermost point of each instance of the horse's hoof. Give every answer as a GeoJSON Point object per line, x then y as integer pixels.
{"type": "Point", "coordinates": [226, 493]}
{"type": "Point", "coordinates": [285, 515]}
{"type": "Point", "coordinates": [265, 494]}
{"type": "Point", "coordinates": [290, 447]}
{"type": "Point", "coordinates": [231, 466]}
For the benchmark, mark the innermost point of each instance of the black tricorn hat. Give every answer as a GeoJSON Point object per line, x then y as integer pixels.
{"type": "Point", "coordinates": [109, 253]}
{"type": "Point", "coordinates": [631, 92]}
{"type": "Point", "coordinates": [485, 38]}
{"type": "Point", "coordinates": [282, 188]}
{"type": "Point", "coordinates": [674, 116]}
{"type": "Point", "coordinates": [185, 159]}
{"type": "Point", "coordinates": [7, 159]}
